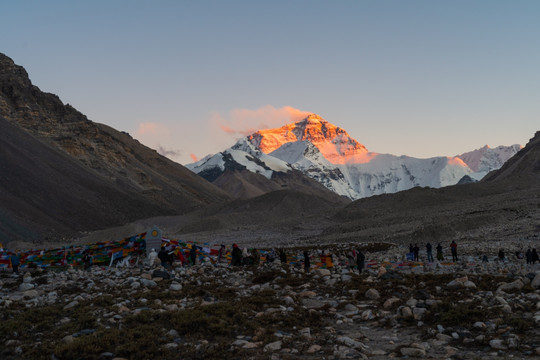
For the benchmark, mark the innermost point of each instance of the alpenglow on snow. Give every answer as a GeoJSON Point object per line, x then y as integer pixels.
{"type": "Point", "coordinates": [327, 154]}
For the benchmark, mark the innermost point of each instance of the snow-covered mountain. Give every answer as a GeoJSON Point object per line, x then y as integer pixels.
{"type": "Point", "coordinates": [327, 154]}
{"type": "Point", "coordinates": [486, 159]}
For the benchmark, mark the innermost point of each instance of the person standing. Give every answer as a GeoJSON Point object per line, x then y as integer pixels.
{"type": "Point", "coordinates": [416, 251]}
{"type": "Point", "coordinates": [440, 256]}
{"type": "Point", "coordinates": [221, 253]}
{"type": "Point", "coordinates": [163, 257]}
{"type": "Point", "coordinates": [15, 262]}
{"type": "Point", "coordinates": [351, 259]}
{"type": "Point", "coordinates": [282, 256]}
{"type": "Point", "coordinates": [306, 261]}
{"type": "Point", "coordinates": [501, 254]}
{"type": "Point", "coordinates": [236, 256]}
{"type": "Point", "coordinates": [193, 255]}
{"type": "Point", "coordinates": [329, 261]}
{"type": "Point", "coordinates": [528, 256]}
{"type": "Point", "coordinates": [429, 251]}
{"type": "Point", "coordinates": [534, 256]}
{"type": "Point", "coordinates": [453, 248]}
{"type": "Point", "coordinates": [360, 260]}
{"type": "Point", "coordinates": [87, 259]}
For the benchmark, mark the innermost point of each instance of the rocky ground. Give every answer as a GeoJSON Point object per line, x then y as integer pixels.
{"type": "Point", "coordinates": [468, 310]}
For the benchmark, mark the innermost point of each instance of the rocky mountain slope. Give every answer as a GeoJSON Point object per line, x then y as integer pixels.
{"type": "Point", "coordinates": [63, 174]}
{"type": "Point", "coordinates": [327, 154]}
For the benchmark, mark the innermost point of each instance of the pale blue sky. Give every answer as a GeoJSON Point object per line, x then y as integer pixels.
{"type": "Point", "coordinates": [418, 78]}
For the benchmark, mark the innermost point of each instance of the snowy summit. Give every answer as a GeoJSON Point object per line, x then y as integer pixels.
{"type": "Point", "coordinates": [329, 155]}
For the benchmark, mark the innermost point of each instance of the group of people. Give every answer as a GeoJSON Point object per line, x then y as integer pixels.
{"type": "Point", "coordinates": [531, 256]}
{"type": "Point", "coordinates": [415, 252]}
{"type": "Point", "coordinates": [244, 256]}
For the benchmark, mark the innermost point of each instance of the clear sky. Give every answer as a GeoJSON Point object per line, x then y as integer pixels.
{"type": "Point", "coordinates": [419, 78]}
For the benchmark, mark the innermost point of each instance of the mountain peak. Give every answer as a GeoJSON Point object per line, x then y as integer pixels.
{"type": "Point", "coordinates": [313, 118]}
{"type": "Point", "coordinates": [336, 145]}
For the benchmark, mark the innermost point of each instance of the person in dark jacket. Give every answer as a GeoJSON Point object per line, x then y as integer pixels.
{"type": "Point", "coordinates": [534, 256]}
{"type": "Point", "coordinates": [416, 251]}
{"type": "Point", "coordinates": [307, 264]}
{"type": "Point", "coordinates": [87, 259]}
{"type": "Point", "coordinates": [193, 255]}
{"type": "Point", "coordinates": [440, 256]}
{"type": "Point", "coordinates": [360, 259]}
{"type": "Point", "coordinates": [163, 256]}
{"type": "Point", "coordinates": [282, 256]}
{"type": "Point", "coordinates": [528, 256]}
{"type": "Point", "coordinates": [453, 248]}
{"type": "Point", "coordinates": [429, 252]}
{"type": "Point", "coordinates": [236, 256]}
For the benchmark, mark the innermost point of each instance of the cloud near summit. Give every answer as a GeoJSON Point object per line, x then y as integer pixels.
{"type": "Point", "coordinates": [187, 143]}
{"type": "Point", "coordinates": [242, 122]}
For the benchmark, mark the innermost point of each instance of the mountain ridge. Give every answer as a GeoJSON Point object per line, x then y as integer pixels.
{"type": "Point", "coordinates": [327, 154]}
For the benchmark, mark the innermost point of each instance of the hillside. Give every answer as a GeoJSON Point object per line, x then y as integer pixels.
{"type": "Point", "coordinates": [63, 174]}
{"type": "Point", "coordinates": [502, 207]}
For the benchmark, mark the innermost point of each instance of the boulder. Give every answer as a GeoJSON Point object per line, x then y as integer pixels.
{"type": "Point", "coordinates": [322, 272]}
{"type": "Point", "coordinates": [372, 294]}
{"type": "Point", "coordinates": [274, 346]}
{"type": "Point", "coordinates": [413, 352]}
{"type": "Point", "coordinates": [513, 286]}
{"type": "Point", "coordinates": [535, 283]}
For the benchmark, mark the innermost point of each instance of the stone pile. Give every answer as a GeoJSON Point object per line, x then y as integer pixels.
{"type": "Point", "coordinates": [433, 311]}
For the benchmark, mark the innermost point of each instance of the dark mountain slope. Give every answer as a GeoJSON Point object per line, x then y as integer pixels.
{"type": "Point", "coordinates": [62, 173]}
{"type": "Point", "coordinates": [244, 184]}
{"type": "Point", "coordinates": [522, 167]}
{"type": "Point", "coordinates": [45, 193]}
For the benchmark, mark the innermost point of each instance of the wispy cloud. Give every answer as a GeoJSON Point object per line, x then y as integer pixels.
{"type": "Point", "coordinates": [159, 137]}
{"type": "Point", "coordinates": [242, 122]}
{"type": "Point", "coordinates": [170, 153]}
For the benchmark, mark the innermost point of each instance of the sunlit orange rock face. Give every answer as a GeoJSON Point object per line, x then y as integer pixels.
{"type": "Point", "coordinates": [332, 141]}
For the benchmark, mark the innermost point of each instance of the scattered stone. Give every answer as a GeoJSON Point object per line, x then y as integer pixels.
{"type": "Point", "coordinates": [71, 305]}
{"type": "Point", "coordinates": [406, 312]}
{"type": "Point", "coordinates": [322, 272]}
{"type": "Point", "coordinates": [315, 348]}
{"type": "Point", "coordinates": [390, 303]}
{"type": "Point", "coordinates": [175, 286]}
{"type": "Point", "coordinates": [514, 285]}
{"type": "Point", "coordinates": [274, 346]}
{"type": "Point", "coordinates": [413, 352]}
{"type": "Point", "coordinates": [535, 283]}
{"type": "Point", "coordinates": [498, 344]}
{"type": "Point", "coordinates": [372, 294]}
